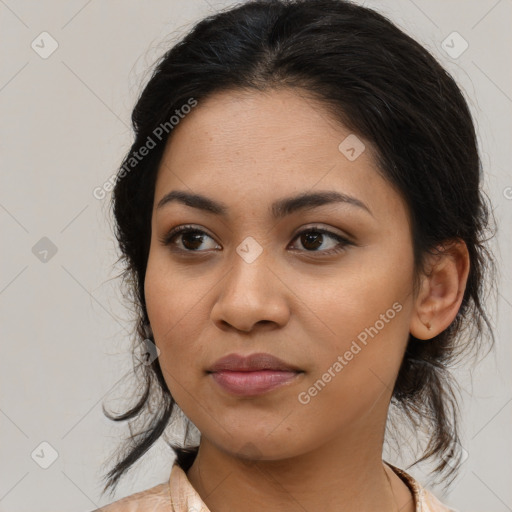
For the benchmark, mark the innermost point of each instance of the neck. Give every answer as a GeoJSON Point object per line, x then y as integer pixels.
{"type": "Point", "coordinates": [340, 475]}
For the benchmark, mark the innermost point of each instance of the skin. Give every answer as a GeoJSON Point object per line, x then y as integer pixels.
{"type": "Point", "coordinates": [271, 452]}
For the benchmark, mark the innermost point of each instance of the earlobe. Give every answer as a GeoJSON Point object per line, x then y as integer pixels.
{"type": "Point", "coordinates": [441, 292]}
{"type": "Point", "coordinates": [423, 314]}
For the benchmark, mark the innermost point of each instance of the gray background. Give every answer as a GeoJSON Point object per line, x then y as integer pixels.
{"type": "Point", "coordinates": [64, 129]}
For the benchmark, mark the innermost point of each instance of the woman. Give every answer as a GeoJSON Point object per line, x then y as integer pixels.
{"type": "Point", "coordinates": [302, 225]}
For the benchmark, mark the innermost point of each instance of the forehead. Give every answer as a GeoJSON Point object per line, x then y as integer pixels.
{"type": "Point", "coordinates": [263, 145]}
{"type": "Point", "coordinates": [242, 122]}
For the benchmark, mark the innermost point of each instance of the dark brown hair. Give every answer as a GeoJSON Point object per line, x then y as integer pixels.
{"type": "Point", "coordinates": [383, 86]}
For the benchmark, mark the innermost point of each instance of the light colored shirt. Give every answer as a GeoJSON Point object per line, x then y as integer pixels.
{"type": "Point", "coordinates": [178, 495]}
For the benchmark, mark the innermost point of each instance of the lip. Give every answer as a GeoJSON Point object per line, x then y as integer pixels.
{"type": "Point", "coordinates": [252, 383]}
{"type": "Point", "coordinates": [252, 375]}
{"type": "Point", "coordinates": [251, 363]}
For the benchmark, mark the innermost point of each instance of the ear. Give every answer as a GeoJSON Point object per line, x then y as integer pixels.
{"type": "Point", "coordinates": [441, 291]}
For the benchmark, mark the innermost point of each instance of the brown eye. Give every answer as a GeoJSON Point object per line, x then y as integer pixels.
{"type": "Point", "coordinates": [191, 238]}
{"type": "Point", "coordinates": [314, 238]}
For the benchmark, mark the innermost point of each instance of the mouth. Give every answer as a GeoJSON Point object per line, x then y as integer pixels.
{"type": "Point", "coordinates": [252, 375]}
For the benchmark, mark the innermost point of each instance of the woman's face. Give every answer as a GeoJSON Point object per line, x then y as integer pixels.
{"type": "Point", "coordinates": [249, 282]}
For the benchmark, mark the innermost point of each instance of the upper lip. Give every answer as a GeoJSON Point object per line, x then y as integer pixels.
{"type": "Point", "coordinates": [253, 362]}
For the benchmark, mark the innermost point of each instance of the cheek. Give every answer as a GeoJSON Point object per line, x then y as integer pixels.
{"type": "Point", "coordinates": [361, 313]}
{"type": "Point", "coordinates": [172, 296]}
{"type": "Point", "coordinates": [176, 313]}
{"type": "Point", "coordinates": [354, 369]}
{"type": "Point", "coordinates": [366, 290]}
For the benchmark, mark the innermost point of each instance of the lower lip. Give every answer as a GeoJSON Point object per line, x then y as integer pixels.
{"type": "Point", "coordinates": [252, 383]}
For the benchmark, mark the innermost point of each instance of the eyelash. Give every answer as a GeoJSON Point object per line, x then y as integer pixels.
{"type": "Point", "coordinates": [186, 229]}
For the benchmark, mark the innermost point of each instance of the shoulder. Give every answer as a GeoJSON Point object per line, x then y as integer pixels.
{"type": "Point", "coordinates": [155, 499]}
{"type": "Point", "coordinates": [429, 503]}
{"type": "Point", "coordinates": [424, 500]}
{"type": "Point", "coordinates": [177, 495]}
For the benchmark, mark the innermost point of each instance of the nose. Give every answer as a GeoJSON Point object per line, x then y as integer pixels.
{"type": "Point", "coordinates": [251, 294]}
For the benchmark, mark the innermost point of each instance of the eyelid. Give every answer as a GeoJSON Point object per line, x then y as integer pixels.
{"type": "Point", "coordinates": [322, 228]}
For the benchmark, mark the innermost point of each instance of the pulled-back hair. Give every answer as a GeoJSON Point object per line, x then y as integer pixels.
{"type": "Point", "coordinates": [380, 84]}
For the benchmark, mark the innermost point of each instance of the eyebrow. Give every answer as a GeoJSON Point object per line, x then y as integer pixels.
{"type": "Point", "coordinates": [279, 209]}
